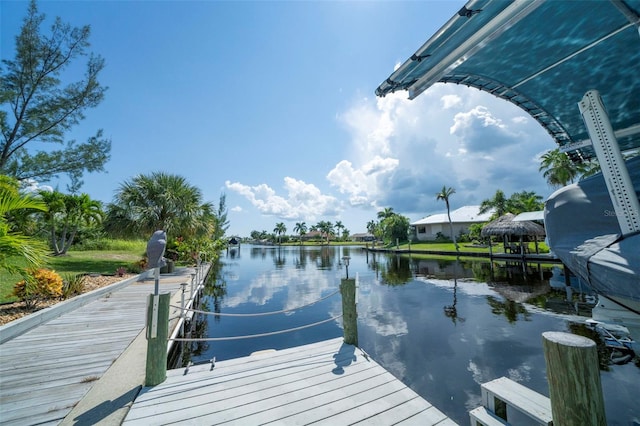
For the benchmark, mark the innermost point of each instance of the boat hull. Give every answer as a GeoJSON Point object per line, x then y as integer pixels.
{"type": "Point", "coordinates": [583, 231]}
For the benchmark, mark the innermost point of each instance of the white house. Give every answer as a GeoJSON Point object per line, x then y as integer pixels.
{"type": "Point", "coordinates": [428, 227]}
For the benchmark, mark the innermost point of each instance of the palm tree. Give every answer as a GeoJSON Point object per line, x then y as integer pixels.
{"type": "Point", "coordinates": [64, 216]}
{"type": "Point", "coordinates": [444, 195]}
{"type": "Point", "coordinates": [279, 230]}
{"type": "Point", "coordinates": [16, 248]}
{"type": "Point", "coordinates": [525, 201]}
{"type": "Point", "coordinates": [371, 226]}
{"type": "Point", "coordinates": [499, 203]}
{"type": "Point", "coordinates": [148, 203]}
{"type": "Point", "coordinates": [387, 212]}
{"type": "Point", "coordinates": [395, 228]}
{"type": "Point", "coordinates": [81, 210]}
{"type": "Point", "coordinates": [339, 227]}
{"type": "Point", "coordinates": [301, 229]}
{"type": "Point", "coordinates": [558, 168]}
{"type": "Point", "coordinates": [326, 228]}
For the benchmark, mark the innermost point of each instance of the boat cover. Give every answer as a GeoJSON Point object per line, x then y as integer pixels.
{"type": "Point", "coordinates": [583, 230]}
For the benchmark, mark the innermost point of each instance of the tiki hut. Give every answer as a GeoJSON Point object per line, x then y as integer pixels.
{"type": "Point", "coordinates": [511, 230]}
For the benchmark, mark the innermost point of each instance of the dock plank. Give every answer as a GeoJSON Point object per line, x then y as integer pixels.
{"type": "Point", "coordinates": [326, 383]}
{"type": "Point", "coordinates": [47, 370]}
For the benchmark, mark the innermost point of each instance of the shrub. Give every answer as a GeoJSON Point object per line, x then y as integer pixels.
{"type": "Point", "coordinates": [139, 266]}
{"type": "Point", "coordinates": [72, 284]}
{"type": "Point", "coordinates": [40, 284]}
{"type": "Point", "coordinates": [441, 238]}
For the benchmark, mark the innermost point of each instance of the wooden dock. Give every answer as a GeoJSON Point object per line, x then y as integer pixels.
{"type": "Point", "coordinates": [496, 256]}
{"type": "Point", "coordinates": [46, 371]}
{"type": "Point", "coordinates": [327, 382]}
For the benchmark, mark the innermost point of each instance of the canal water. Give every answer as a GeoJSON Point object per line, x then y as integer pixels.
{"type": "Point", "coordinates": [441, 326]}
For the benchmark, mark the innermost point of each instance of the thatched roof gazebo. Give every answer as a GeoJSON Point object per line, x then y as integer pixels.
{"type": "Point", "coordinates": [508, 228]}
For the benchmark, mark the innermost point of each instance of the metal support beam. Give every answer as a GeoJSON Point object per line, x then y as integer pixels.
{"type": "Point", "coordinates": [614, 170]}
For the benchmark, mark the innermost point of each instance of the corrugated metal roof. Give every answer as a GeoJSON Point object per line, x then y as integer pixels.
{"type": "Point", "coordinates": [542, 56]}
{"type": "Point", "coordinates": [537, 215]}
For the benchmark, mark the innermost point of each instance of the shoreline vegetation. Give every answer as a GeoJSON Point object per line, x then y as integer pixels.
{"type": "Point", "coordinates": [100, 264]}
{"type": "Point", "coordinates": [420, 247]}
{"type": "Point", "coordinates": [440, 250]}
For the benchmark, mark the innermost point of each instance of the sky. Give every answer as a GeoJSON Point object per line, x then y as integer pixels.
{"type": "Point", "coordinates": [272, 104]}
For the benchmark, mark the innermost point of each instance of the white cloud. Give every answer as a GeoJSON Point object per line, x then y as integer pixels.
{"type": "Point", "coordinates": [236, 209]}
{"type": "Point", "coordinates": [450, 101]}
{"type": "Point", "coordinates": [399, 153]}
{"type": "Point", "coordinates": [361, 184]}
{"type": "Point", "coordinates": [31, 185]}
{"type": "Point", "coordinates": [303, 200]}
{"type": "Point", "coordinates": [402, 152]}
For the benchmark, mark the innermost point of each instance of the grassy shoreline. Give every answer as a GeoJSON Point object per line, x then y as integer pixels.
{"type": "Point", "coordinates": [117, 254]}
{"type": "Point", "coordinates": [106, 261]}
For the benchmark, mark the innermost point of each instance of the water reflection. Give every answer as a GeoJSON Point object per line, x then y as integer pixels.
{"type": "Point", "coordinates": [451, 311]}
{"type": "Point", "coordinates": [441, 325]}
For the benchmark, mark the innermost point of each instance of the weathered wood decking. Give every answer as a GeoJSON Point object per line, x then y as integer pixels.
{"type": "Point", "coordinates": [46, 371]}
{"type": "Point", "coordinates": [323, 383]}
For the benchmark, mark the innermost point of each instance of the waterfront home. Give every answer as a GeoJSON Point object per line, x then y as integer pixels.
{"type": "Point", "coordinates": [363, 237]}
{"type": "Point", "coordinates": [428, 228]}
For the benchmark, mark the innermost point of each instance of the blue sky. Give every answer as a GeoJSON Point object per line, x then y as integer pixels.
{"type": "Point", "coordinates": [273, 104]}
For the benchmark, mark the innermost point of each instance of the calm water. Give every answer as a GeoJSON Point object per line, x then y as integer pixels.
{"type": "Point", "coordinates": [440, 327]}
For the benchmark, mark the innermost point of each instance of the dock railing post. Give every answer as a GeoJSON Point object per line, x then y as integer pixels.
{"type": "Point", "coordinates": [574, 379]}
{"type": "Point", "coordinates": [192, 287]}
{"type": "Point", "coordinates": [157, 335]}
{"type": "Point", "coordinates": [182, 303]}
{"type": "Point", "coordinates": [349, 312]}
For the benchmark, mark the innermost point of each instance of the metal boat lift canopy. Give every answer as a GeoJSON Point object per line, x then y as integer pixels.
{"type": "Point", "coordinates": [543, 56]}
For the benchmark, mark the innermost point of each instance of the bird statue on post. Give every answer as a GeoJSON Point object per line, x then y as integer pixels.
{"type": "Point", "coordinates": [155, 250]}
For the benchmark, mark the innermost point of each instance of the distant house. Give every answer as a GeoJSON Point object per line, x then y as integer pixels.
{"type": "Point", "coordinates": [362, 237]}
{"type": "Point", "coordinates": [313, 235]}
{"type": "Point", "coordinates": [428, 227]}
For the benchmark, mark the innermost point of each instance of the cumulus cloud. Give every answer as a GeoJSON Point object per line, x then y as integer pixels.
{"type": "Point", "coordinates": [480, 131]}
{"type": "Point", "coordinates": [31, 185]}
{"type": "Point", "coordinates": [361, 184]}
{"type": "Point", "coordinates": [403, 152]}
{"type": "Point", "coordinates": [399, 153]}
{"type": "Point", "coordinates": [303, 200]}
{"type": "Point", "coordinates": [450, 101]}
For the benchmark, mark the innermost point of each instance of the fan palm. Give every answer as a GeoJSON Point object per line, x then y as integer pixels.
{"type": "Point", "coordinates": [163, 201]}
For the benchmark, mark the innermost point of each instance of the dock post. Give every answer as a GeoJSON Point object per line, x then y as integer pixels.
{"type": "Point", "coordinates": [157, 335]}
{"type": "Point", "coordinates": [574, 379]}
{"type": "Point", "coordinates": [349, 312]}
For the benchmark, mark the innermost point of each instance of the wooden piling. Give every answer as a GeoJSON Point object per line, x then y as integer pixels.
{"type": "Point", "coordinates": [349, 312]}
{"type": "Point", "coordinates": [574, 379]}
{"type": "Point", "coordinates": [157, 335]}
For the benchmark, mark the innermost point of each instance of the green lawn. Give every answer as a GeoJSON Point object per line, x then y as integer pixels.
{"type": "Point", "coordinates": [104, 262]}
{"type": "Point", "coordinates": [468, 247]}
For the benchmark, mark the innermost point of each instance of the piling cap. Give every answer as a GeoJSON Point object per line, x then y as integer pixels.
{"type": "Point", "coordinates": [568, 339]}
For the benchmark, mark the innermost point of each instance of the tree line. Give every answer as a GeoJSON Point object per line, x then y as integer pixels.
{"type": "Point", "coordinates": [37, 111]}
{"type": "Point", "coordinates": [324, 230]}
